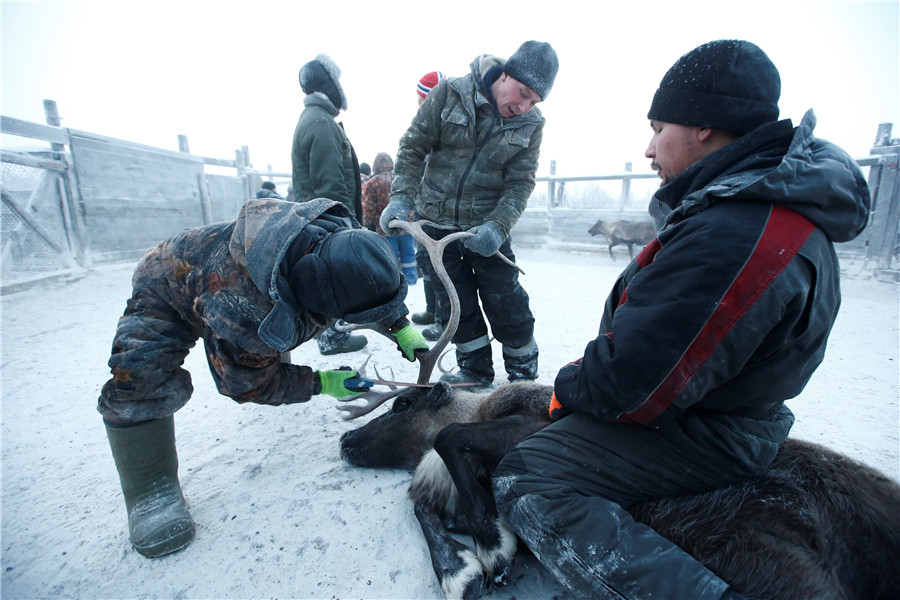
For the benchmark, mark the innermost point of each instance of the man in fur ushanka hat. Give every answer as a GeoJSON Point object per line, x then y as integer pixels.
{"type": "Point", "coordinates": [324, 164]}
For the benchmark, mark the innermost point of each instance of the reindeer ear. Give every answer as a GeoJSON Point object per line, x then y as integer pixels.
{"type": "Point", "coordinates": [440, 394]}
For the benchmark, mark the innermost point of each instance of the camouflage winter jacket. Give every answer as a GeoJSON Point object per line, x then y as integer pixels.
{"type": "Point", "coordinates": [223, 282]}
{"type": "Point", "coordinates": [480, 166]}
{"type": "Point", "coordinates": [323, 162]}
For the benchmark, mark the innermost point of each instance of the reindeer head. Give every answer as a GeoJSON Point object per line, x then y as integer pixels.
{"type": "Point", "coordinates": [398, 438]}
{"type": "Point", "coordinates": [597, 228]}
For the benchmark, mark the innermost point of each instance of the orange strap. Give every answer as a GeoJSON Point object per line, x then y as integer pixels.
{"type": "Point", "coordinates": [554, 404]}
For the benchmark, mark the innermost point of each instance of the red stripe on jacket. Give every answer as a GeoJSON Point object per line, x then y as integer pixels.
{"type": "Point", "coordinates": [644, 258]}
{"type": "Point", "coordinates": [784, 235]}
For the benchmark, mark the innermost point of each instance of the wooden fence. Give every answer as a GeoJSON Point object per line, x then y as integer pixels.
{"type": "Point", "coordinates": [92, 199]}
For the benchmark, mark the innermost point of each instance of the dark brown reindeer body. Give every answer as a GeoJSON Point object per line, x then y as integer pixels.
{"type": "Point", "coordinates": [624, 232]}
{"type": "Point", "coordinates": [818, 525]}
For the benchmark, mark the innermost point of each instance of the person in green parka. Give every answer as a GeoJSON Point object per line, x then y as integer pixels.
{"type": "Point", "coordinates": [324, 164]}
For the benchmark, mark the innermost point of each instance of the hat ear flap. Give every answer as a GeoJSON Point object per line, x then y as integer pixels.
{"type": "Point", "coordinates": [311, 284]}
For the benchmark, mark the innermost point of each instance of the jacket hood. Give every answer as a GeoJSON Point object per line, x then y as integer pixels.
{"type": "Point", "coordinates": [383, 163]}
{"type": "Point", "coordinates": [484, 63]}
{"type": "Point", "coordinates": [263, 233]}
{"type": "Point", "coordinates": [784, 166]}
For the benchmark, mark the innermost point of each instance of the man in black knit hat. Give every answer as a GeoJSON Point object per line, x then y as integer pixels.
{"type": "Point", "coordinates": [705, 335]}
{"type": "Point", "coordinates": [267, 190]}
{"type": "Point", "coordinates": [479, 137]}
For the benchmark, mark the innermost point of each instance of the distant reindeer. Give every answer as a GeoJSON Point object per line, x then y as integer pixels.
{"type": "Point", "coordinates": [624, 232]}
{"type": "Point", "coordinates": [816, 526]}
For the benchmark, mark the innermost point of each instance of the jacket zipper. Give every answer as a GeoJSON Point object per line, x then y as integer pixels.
{"type": "Point", "coordinates": [465, 175]}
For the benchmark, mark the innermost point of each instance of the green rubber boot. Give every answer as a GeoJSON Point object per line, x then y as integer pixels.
{"type": "Point", "coordinates": [158, 518]}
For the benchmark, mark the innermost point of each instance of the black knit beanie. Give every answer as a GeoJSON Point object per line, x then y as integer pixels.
{"type": "Point", "coordinates": [535, 64]}
{"type": "Point", "coordinates": [352, 274]}
{"type": "Point", "coordinates": [729, 85]}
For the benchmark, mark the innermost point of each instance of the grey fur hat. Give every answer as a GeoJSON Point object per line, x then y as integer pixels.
{"type": "Point", "coordinates": [535, 64]}
{"type": "Point", "coordinates": [321, 76]}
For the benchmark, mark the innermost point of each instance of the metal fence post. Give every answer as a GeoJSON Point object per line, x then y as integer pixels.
{"type": "Point", "coordinates": [551, 186]}
{"type": "Point", "coordinates": [626, 188]}
{"type": "Point", "coordinates": [71, 204]}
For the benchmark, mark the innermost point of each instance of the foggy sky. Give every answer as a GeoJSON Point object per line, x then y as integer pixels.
{"type": "Point", "coordinates": [225, 73]}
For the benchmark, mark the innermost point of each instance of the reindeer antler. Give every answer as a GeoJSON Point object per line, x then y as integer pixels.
{"type": "Point", "coordinates": [427, 360]}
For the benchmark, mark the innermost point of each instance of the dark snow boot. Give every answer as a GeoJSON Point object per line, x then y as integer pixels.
{"type": "Point", "coordinates": [474, 367]}
{"type": "Point", "coordinates": [331, 341]}
{"type": "Point", "coordinates": [158, 518]}
{"type": "Point", "coordinates": [521, 366]}
{"type": "Point", "coordinates": [433, 332]}
{"type": "Point", "coordinates": [426, 317]}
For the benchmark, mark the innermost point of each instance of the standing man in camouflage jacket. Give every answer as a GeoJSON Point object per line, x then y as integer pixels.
{"type": "Point", "coordinates": [324, 164]}
{"type": "Point", "coordinates": [251, 289]}
{"type": "Point", "coordinates": [479, 137]}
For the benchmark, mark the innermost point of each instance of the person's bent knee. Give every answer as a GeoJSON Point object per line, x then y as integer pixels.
{"type": "Point", "coordinates": [506, 482]}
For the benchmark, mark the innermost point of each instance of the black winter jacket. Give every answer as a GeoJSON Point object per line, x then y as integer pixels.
{"type": "Point", "coordinates": [730, 307]}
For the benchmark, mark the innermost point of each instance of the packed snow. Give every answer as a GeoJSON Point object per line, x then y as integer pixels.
{"type": "Point", "coordinates": [278, 513]}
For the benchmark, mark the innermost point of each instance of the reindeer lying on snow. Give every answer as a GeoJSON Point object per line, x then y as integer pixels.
{"type": "Point", "coordinates": [818, 525]}
{"type": "Point", "coordinates": [624, 232]}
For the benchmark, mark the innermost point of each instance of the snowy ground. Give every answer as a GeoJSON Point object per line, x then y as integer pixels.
{"type": "Point", "coordinates": [278, 514]}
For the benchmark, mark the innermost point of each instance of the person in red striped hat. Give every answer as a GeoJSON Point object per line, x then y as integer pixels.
{"type": "Point", "coordinates": [432, 315]}
{"type": "Point", "coordinates": [427, 83]}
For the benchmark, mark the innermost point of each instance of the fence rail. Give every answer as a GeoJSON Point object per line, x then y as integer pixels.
{"type": "Point", "coordinates": [90, 198]}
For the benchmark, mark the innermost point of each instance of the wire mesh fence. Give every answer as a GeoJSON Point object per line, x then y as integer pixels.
{"type": "Point", "coordinates": [32, 231]}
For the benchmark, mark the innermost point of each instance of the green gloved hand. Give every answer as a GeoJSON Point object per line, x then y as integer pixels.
{"type": "Point", "coordinates": [333, 382]}
{"type": "Point", "coordinates": [409, 340]}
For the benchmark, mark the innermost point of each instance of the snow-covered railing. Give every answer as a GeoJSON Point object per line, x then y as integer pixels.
{"type": "Point", "coordinates": [62, 204]}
